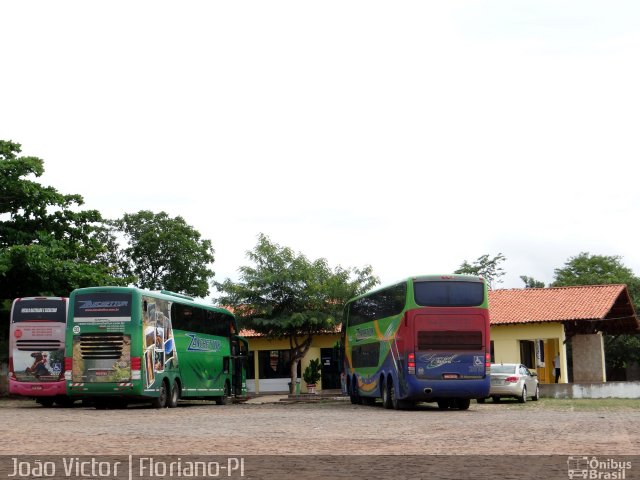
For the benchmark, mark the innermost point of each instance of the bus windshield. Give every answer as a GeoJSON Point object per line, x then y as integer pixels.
{"type": "Point", "coordinates": [449, 294]}
{"type": "Point", "coordinates": [39, 310]}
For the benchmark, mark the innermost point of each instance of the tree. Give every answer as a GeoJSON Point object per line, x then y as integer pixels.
{"type": "Point", "coordinates": [485, 267]}
{"type": "Point", "coordinates": [587, 269]}
{"type": "Point", "coordinates": [282, 294]}
{"type": "Point", "coordinates": [47, 245]}
{"type": "Point", "coordinates": [166, 253]}
{"type": "Point", "coordinates": [530, 282]}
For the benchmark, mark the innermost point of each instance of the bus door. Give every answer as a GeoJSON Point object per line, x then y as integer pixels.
{"type": "Point", "coordinates": [449, 346]}
{"type": "Point", "coordinates": [237, 376]}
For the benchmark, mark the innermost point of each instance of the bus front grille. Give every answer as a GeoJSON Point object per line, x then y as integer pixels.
{"type": "Point", "coordinates": [38, 345]}
{"type": "Point", "coordinates": [101, 345]}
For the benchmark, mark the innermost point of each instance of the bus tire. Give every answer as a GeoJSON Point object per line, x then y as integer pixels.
{"type": "Point", "coordinates": [395, 403]}
{"type": "Point", "coordinates": [161, 400]}
{"type": "Point", "coordinates": [386, 398]}
{"type": "Point", "coordinates": [226, 396]}
{"type": "Point", "coordinates": [46, 401]}
{"type": "Point", "coordinates": [370, 401]}
{"type": "Point", "coordinates": [172, 402]}
{"type": "Point", "coordinates": [354, 396]}
{"type": "Point", "coordinates": [444, 404]}
{"type": "Point", "coordinates": [462, 403]}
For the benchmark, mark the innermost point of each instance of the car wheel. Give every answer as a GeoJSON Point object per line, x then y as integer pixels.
{"type": "Point", "coordinates": [523, 398]}
{"type": "Point", "coordinates": [536, 396]}
{"type": "Point", "coordinates": [496, 399]}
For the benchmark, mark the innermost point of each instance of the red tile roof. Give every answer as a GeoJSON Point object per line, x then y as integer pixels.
{"type": "Point", "coordinates": [554, 304]}
{"type": "Point", "coordinates": [608, 305]}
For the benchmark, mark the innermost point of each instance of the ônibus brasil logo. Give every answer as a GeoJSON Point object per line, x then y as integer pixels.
{"type": "Point", "coordinates": [595, 468]}
{"type": "Point", "coordinates": [199, 344]}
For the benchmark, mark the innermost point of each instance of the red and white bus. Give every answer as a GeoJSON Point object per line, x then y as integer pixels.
{"type": "Point", "coordinates": [36, 349]}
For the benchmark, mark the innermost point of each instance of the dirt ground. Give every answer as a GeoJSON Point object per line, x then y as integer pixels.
{"type": "Point", "coordinates": [330, 439]}
{"type": "Point", "coordinates": [545, 427]}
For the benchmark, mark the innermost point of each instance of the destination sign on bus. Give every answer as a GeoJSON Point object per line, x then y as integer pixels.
{"type": "Point", "coordinates": [96, 307]}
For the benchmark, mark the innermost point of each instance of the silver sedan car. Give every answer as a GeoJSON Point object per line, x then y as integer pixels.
{"type": "Point", "coordinates": [513, 380]}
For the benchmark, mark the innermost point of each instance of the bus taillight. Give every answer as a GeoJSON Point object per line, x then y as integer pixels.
{"type": "Point", "coordinates": [136, 366]}
{"type": "Point", "coordinates": [411, 364]}
{"type": "Point", "coordinates": [487, 361]}
{"type": "Point", "coordinates": [68, 367]}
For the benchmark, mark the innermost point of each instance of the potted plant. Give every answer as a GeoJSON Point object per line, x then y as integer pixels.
{"type": "Point", "coordinates": [312, 375]}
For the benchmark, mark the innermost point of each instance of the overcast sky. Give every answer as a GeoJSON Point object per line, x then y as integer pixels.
{"type": "Point", "coordinates": [407, 135]}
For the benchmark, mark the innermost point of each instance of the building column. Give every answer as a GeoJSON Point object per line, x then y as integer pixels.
{"type": "Point", "coordinates": [588, 358]}
{"type": "Point", "coordinates": [256, 370]}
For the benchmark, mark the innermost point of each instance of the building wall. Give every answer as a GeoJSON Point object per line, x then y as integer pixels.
{"type": "Point", "coordinates": [256, 344]}
{"type": "Point", "coordinates": [506, 341]}
{"type": "Point", "coordinates": [506, 346]}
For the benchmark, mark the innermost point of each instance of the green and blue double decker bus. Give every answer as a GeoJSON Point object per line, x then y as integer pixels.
{"type": "Point", "coordinates": [126, 345]}
{"type": "Point", "coordinates": [424, 339]}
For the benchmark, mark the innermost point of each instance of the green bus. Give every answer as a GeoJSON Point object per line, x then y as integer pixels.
{"type": "Point", "coordinates": [125, 345]}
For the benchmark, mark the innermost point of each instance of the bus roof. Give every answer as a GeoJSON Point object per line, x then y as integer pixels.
{"type": "Point", "coordinates": [162, 294]}
{"type": "Point", "coordinates": [424, 278]}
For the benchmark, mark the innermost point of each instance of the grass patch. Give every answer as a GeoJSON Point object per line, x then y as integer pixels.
{"type": "Point", "coordinates": [590, 404]}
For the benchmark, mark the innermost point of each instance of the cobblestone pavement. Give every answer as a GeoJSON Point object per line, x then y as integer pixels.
{"type": "Point", "coordinates": [336, 427]}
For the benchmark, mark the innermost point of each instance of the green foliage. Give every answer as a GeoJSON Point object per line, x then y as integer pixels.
{"type": "Point", "coordinates": [313, 372]}
{"type": "Point", "coordinates": [485, 267]}
{"type": "Point", "coordinates": [587, 269]}
{"type": "Point", "coordinates": [47, 245]}
{"type": "Point", "coordinates": [166, 253]}
{"type": "Point", "coordinates": [285, 295]}
{"type": "Point", "coordinates": [530, 282]}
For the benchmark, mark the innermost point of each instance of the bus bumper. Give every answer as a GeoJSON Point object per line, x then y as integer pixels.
{"type": "Point", "coordinates": [427, 390]}
{"type": "Point", "coordinates": [49, 389]}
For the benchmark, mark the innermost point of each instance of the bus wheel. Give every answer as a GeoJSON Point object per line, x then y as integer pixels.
{"type": "Point", "coordinates": [444, 404]}
{"type": "Point", "coordinates": [386, 399]}
{"type": "Point", "coordinates": [64, 401]}
{"type": "Point", "coordinates": [395, 403]}
{"type": "Point", "coordinates": [353, 391]}
{"type": "Point", "coordinates": [224, 399]}
{"type": "Point", "coordinates": [462, 403]}
{"type": "Point", "coordinates": [161, 400]}
{"type": "Point", "coordinates": [46, 401]}
{"type": "Point", "coordinates": [175, 394]}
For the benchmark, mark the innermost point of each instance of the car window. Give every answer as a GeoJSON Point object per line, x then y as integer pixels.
{"type": "Point", "coordinates": [503, 368]}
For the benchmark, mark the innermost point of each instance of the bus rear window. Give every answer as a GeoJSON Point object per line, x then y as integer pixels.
{"type": "Point", "coordinates": [449, 294]}
{"type": "Point", "coordinates": [102, 305]}
{"type": "Point", "coordinates": [449, 340]}
{"type": "Point", "coordinates": [39, 311]}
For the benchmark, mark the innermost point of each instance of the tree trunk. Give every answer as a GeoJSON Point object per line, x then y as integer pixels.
{"type": "Point", "coordinates": [298, 351]}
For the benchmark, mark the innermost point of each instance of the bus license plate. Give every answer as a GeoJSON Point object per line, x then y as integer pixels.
{"type": "Point", "coordinates": [103, 373]}
{"type": "Point", "coordinates": [36, 387]}
{"type": "Point", "coordinates": [450, 376]}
